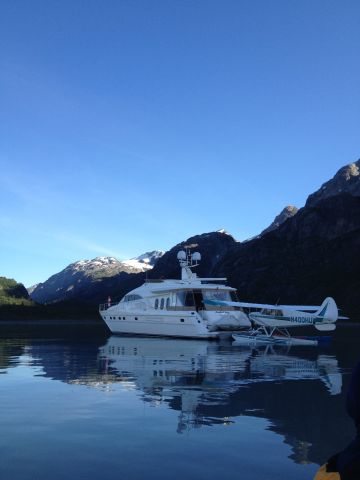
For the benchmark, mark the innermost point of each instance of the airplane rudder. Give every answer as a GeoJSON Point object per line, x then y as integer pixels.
{"type": "Point", "coordinates": [332, 311]}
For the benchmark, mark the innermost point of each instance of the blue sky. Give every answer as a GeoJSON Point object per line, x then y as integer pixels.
{"type": "Point", "coordinates": [131, 125]}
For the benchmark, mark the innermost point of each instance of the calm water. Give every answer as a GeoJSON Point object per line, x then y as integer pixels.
{"type": "Point", "coordinates": [89, 406]}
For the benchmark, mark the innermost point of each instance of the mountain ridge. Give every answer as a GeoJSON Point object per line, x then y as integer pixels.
{"type": "Point", "coordinates": [345, 180]}
{"type": "Point", "coordinates": [78, 277]}
{"type": "Point", "coordinates": [287, 212]}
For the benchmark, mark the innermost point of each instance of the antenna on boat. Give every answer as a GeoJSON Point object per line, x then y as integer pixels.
{"type": "Point", "coordinates": [196, 257]}
{"type": "Point", "coordinates": [188, 261]}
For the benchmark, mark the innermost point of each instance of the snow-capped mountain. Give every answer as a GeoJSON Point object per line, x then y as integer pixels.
{"type": "Point", "coordinates": [78, 278]}
{"type": "Point", "coordinates": [146, 261]}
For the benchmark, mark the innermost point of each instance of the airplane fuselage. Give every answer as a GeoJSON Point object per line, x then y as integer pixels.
{"type": "Point", "coordinates": [287, 320]}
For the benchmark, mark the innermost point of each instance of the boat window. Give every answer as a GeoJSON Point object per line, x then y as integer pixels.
{"type": "Point", "coordinates": [180, 297]}
{"type": "Point", "coordinates": [234, 297]}
{"type": "Point", "coordinates": [131, 298]}
{"type": "Point", "coordinates": [162, 303]}
{"type": "Point", "coordinates": [189, 299]}
{"type": "Point", "coordinates": [217, 295]}
{"type": "Point", "coordinates": [168, 302]}
{"type": "Point", "coordinates": [185, 298]}
{"type": "Point", "coordinates": [156, 303]}
{"type": "Point", "coordinates": [198, 298]}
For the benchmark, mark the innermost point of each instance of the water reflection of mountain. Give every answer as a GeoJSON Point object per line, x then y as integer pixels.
{"type": "Point", "coordinates": [10, 350]}
{"type": "Point", "coordinates": [298, 391]}
{"type": "Point", "coordinates": [71, 361]}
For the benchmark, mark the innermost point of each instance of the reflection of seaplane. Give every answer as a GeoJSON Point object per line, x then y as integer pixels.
{"type": "Point", "coordinates": [273, 321]}
{"type": "Point", "coordinates": [199, 378]}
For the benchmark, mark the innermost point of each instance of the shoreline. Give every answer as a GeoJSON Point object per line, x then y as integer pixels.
{"type": "Point", "coordinates": [53, 321]}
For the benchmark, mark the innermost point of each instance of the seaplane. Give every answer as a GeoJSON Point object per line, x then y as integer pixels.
{"type": "Point", "coordinates": [271, 323]}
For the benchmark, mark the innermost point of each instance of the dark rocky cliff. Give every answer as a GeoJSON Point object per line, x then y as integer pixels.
{"type": "Point", "coordinates": [212, 247]}
{"type": "Point", "coordinates": [346, 180]}
{"type": "Point", "coordinates": [288, 212]}
{"type": "Point", "coordinates": [312, 255]}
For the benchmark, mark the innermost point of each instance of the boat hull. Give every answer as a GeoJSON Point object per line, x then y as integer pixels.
{"type": "Point", "coordinates": [165, 325]}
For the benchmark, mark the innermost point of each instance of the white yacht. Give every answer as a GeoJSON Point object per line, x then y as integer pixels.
{"type": "Point", "coordinates": [187, 307]}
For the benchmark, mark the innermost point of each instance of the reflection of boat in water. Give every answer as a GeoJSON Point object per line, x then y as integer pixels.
{"type": "Point", "coordinates": [156, 362]}
{"type": "Point", "coordinates": [278, 366]}
{"type": "Point", "coordinates": [210, 384]}
{"type": "Point", "coordinates": [294, 390]}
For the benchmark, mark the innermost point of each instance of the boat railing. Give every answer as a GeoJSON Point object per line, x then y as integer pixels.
{"type": "Point", "coordinates": [179, 308]}
{"type": "Point", "coordinates": [220, 308]}
{"type": "Point", "coordinates": [105, 306]}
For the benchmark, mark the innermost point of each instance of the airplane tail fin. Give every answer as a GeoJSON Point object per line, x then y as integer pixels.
{"type": "Point", "coordinates": [328, 312]}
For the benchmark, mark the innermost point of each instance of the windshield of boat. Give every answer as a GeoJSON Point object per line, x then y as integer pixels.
{"type": "Point", "coordinates": [131, 298]}
{"type": "Point", "coordinates": [217, 295]}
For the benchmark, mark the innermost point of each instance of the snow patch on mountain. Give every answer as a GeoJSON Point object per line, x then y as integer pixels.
{"type": "Point", "coordinates": [133, 263]}
{"type": "Point", "coordinates": [97, 263]}
{"type": "Point", "coordinates": [138, 264]}
{"type": "Point", "coordinates": [146, 261]}
{"type": "Point", "coordinates": [225, 232]}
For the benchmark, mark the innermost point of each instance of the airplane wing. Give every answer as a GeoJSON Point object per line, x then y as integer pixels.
{"type": "Point", "coordinates": [263, 305]}
{"type": "Point", "coordinates": [306, 308]}
{"type": "Point", "coordinates": [239, 304]}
